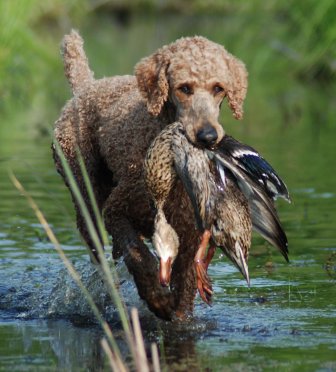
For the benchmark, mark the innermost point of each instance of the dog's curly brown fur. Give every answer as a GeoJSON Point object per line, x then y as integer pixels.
{"type": "Point", "coordinates": [112, 121]}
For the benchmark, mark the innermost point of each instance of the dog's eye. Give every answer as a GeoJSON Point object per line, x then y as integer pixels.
{"type": "Point", "coordinates": [186, 89]}
{"type": "Point", "coordinates": [218, 89]}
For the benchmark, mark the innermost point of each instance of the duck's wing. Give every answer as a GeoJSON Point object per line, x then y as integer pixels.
{"type": "Point", "coordinates": [253, 164]}
{"type": "Point", "coordinates": [182, 170]}
{"type": "Point", "coordinates": [263, 213]}
{"type": "Point", "coordinates": [192, 167]}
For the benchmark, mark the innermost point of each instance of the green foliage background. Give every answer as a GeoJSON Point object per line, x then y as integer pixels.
{"type": "Point", "coordinates": [288, 46]}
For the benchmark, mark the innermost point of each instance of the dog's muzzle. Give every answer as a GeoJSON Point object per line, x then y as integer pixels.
{"type": "Point", "coordinates": [207, 136]}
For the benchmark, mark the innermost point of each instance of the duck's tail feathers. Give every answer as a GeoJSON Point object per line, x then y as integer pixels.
{"type": "Point", "coordinates": [76, 64]}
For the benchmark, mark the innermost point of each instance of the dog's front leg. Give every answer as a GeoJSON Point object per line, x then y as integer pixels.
{"type": "Point", "coordinates": [140, 262]}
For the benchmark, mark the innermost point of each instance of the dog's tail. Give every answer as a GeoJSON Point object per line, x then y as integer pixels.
{"type": "Point", "coordinates": [76, 64]}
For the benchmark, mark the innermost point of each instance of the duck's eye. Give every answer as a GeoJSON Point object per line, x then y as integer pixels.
{"type": "Point", "coordinates": [218, 89]}
{"type": "Point", "coordinates": [186, 89]}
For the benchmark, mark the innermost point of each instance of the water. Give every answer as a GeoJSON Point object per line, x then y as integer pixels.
{"type": "Point", "coordinates": [286, 320]}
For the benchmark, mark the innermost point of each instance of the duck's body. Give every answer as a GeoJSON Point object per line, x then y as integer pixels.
{"type": "Point", "coordinates": [221, 210]}
{"type": "Point", "coordinates": [226, 198]}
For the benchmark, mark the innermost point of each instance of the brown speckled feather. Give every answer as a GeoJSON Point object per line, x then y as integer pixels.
{"type": "Point", "coordinates": [221, 208]}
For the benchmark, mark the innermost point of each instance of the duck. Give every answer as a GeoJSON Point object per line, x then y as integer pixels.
{"type": "Point", "coordinates": [232, 189]}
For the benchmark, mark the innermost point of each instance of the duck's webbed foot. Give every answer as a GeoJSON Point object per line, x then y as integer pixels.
{"type": "Point", "coordinates": [204, 285]}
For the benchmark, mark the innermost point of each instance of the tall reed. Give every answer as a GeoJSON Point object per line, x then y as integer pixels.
{"type": "Point", "coordinates": [131, 325]}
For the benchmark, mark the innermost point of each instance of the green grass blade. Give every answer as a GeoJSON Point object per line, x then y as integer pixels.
{"type": "Point", "coordinates": [67, 263]}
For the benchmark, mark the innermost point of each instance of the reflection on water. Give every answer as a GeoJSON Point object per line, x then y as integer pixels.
{"type": "Point", "coordinates": [56, 344]}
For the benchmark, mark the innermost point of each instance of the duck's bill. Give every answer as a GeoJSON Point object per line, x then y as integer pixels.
{"type": "Point", "coordinates": [165, 271]}
{"type": "Point", "coordinates": [242, 265]}
{"type": "Point", "coordinates": [237, 257]}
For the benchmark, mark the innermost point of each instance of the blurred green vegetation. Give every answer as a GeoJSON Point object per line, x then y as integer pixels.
{"type": "Point", "coordinates": [289, 48]}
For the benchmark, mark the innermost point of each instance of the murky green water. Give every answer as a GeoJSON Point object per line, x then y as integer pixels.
{"type": "Point", "coordinates": [286, 320]}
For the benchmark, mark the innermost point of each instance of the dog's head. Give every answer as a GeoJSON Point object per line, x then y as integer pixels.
{"type": "Point", "coordinates": [195, 75]}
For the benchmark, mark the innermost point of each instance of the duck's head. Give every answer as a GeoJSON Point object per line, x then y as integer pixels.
{"type": "Point", "coordinates": [166, 243]}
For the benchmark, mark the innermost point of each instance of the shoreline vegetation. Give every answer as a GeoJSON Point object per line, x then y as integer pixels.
{"type": "Point", "coordinates": [273, 39]}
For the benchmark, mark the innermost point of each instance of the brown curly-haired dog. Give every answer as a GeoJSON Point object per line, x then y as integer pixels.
{"type": "Point", "coordinates": [112, 121]}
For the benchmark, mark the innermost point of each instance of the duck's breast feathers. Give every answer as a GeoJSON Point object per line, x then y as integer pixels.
{"type": "Point", "coordinates": [159, 170]}
{"type": "Point", "coordinates": [254, 165]}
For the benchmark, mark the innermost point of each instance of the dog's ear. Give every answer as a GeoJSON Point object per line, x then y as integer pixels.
{"type": "Point", "coordinates": [151, 75]}
{"type": "Point", "coordinates": [236, 93]}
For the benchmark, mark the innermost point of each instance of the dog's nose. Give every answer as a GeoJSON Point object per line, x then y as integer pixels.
{"type": "Point", "coordinates": [207, 136]}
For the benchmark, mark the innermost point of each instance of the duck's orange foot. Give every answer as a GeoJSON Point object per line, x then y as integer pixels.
{"type": "Point", "coordinates": [204, 285]}
{"type": "Point", "coordinates": [203, 281]}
